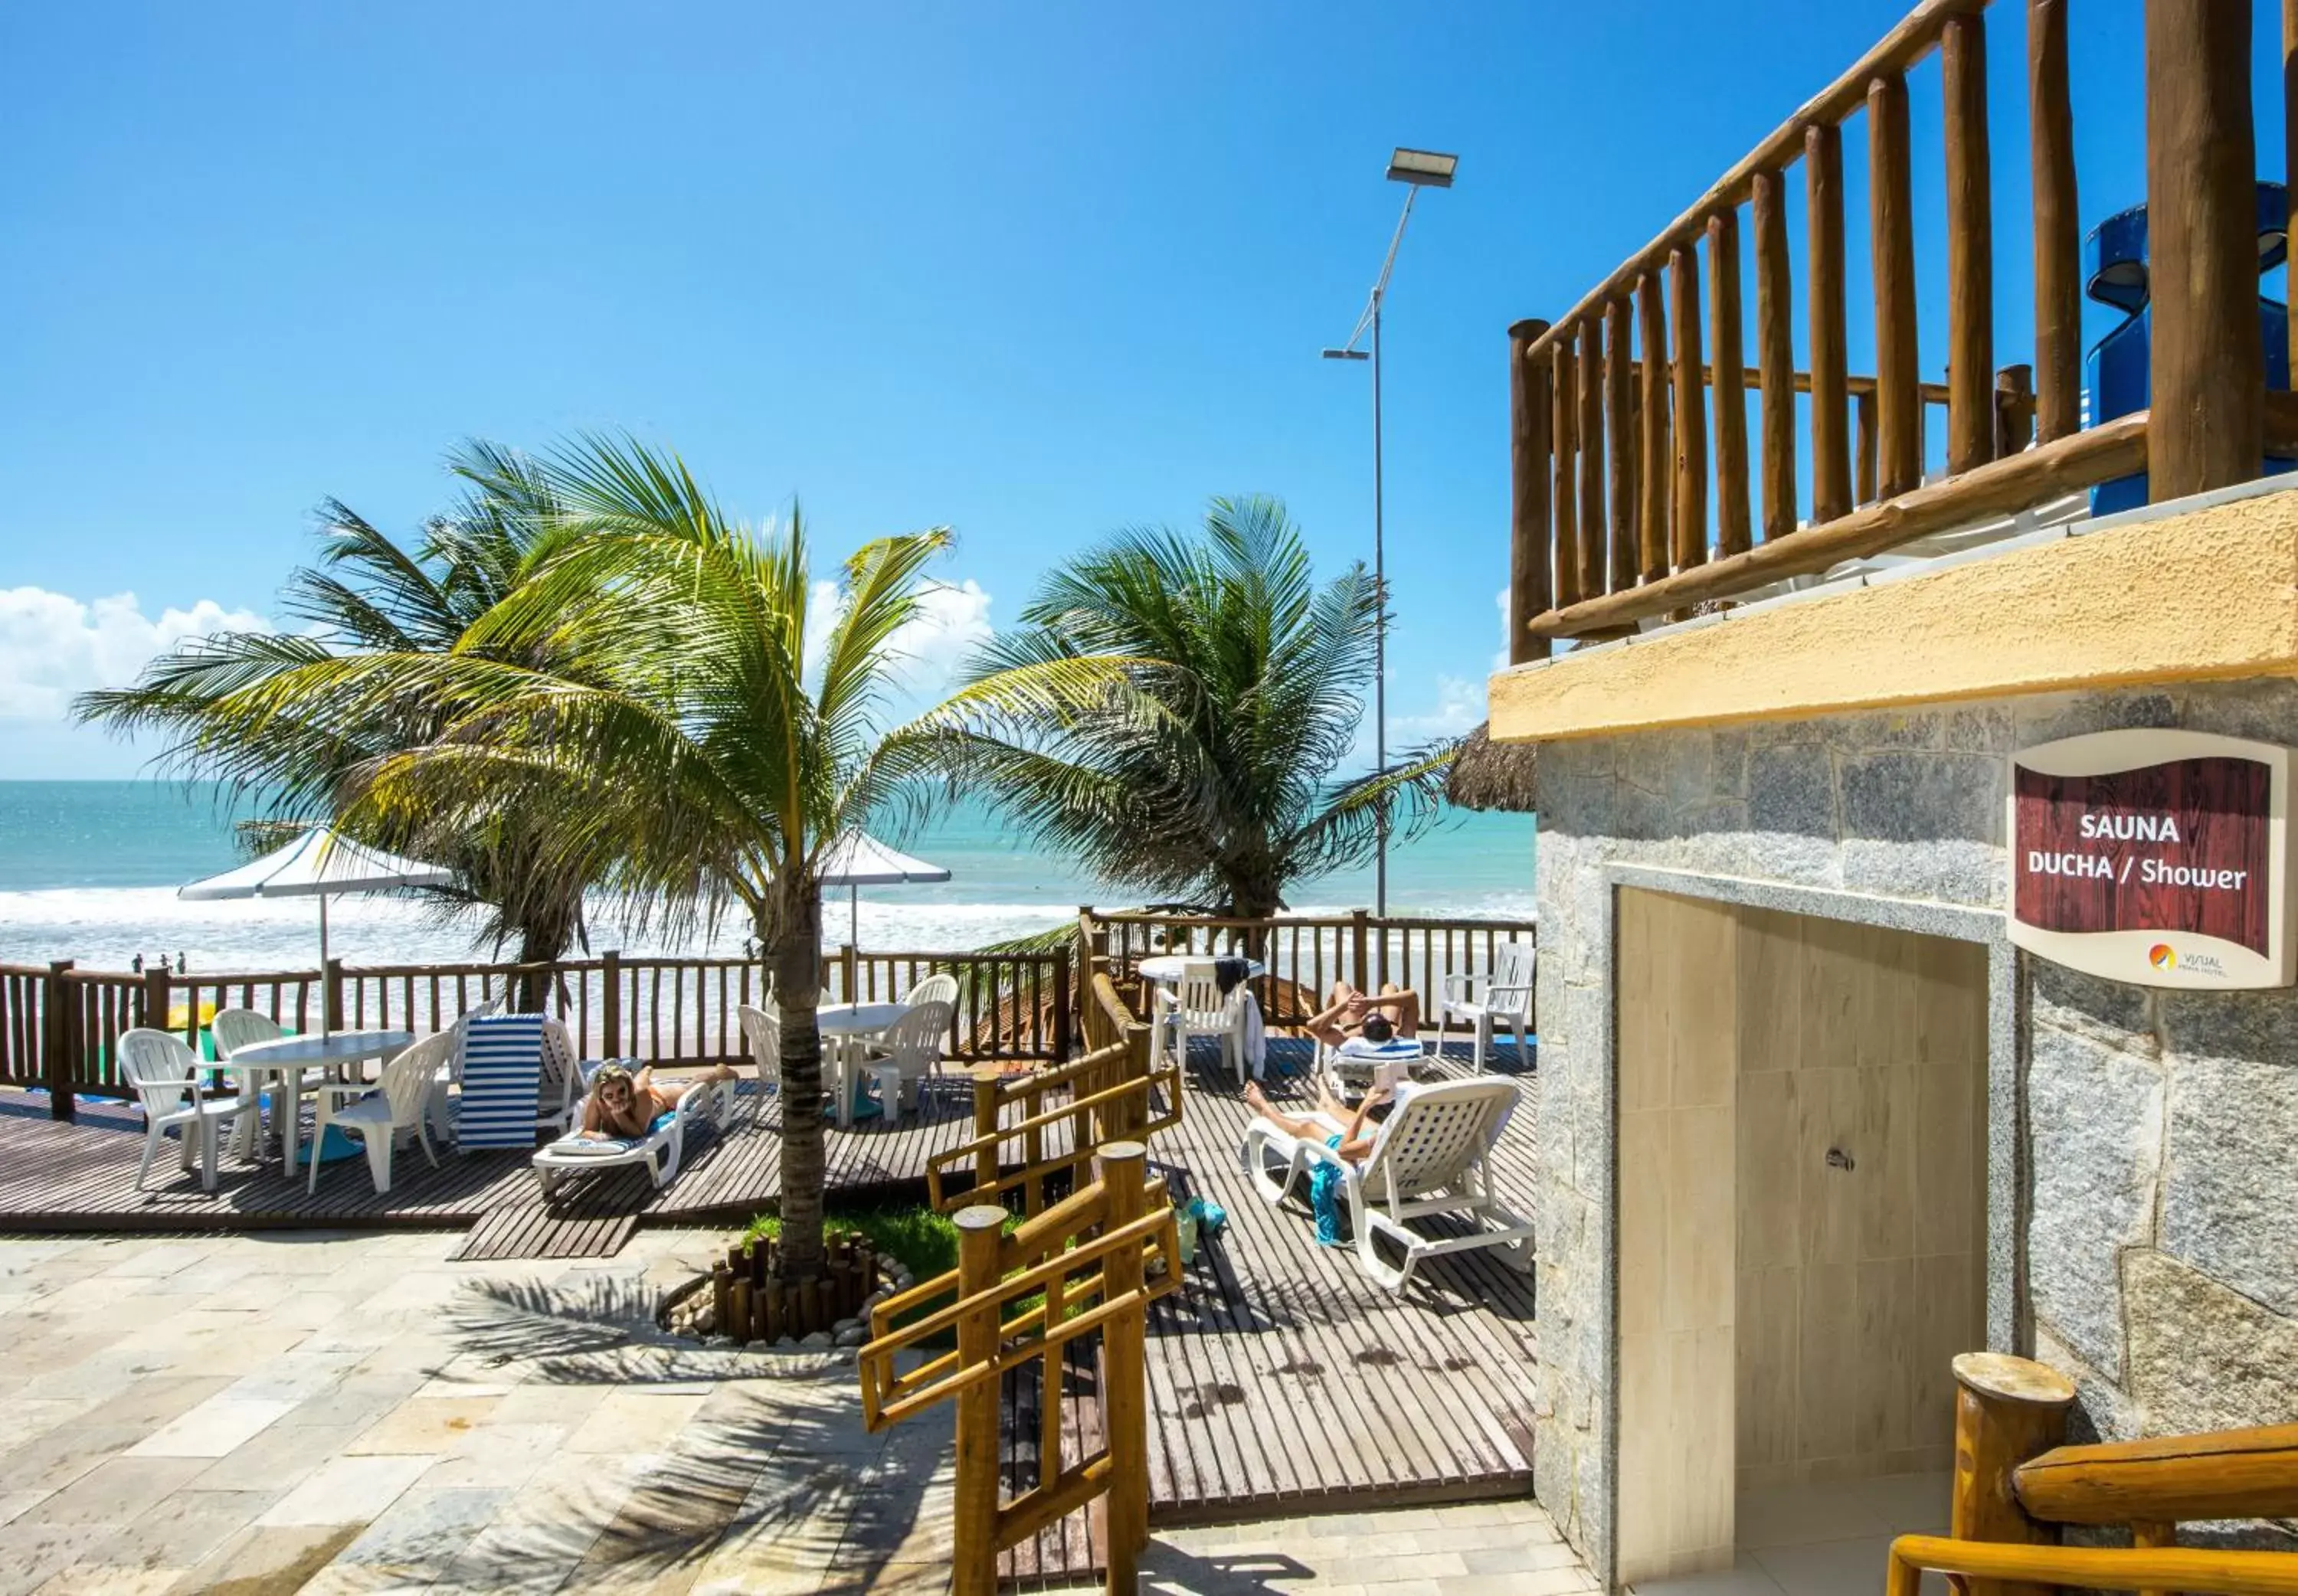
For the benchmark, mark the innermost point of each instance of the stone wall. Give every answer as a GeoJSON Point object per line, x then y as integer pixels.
{"type": "Point", "coordinates": [2156, 1185]}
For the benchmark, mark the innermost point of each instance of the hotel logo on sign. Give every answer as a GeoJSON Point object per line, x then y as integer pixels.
{"type": "Point", "coordinates": [2158, 857]}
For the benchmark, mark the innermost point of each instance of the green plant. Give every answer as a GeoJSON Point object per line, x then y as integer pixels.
{"type": "Point", "coordinates": [1198, 762]}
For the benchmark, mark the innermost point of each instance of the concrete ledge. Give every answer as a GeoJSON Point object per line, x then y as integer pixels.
{"type": "Point", "coordinates": [2201, 590]}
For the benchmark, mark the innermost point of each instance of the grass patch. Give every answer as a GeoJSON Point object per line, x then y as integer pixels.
{"type": "Point", "coordinates": [923, 1242]}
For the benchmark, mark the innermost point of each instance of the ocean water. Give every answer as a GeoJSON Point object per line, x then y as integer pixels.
{"type": "Point", "coordinates": [88, 870]}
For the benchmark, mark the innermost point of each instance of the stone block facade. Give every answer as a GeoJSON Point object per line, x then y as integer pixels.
{"type": "Point", "coordinates": [2143, 1144]}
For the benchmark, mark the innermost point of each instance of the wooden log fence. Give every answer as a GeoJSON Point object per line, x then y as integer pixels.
{"type": "Point", "coordinates": [1670, 526]}
{"type": "Point", "coordinates": [1305, 954]}
{"type": "Point", "coordinates": [58, 1022]}
{"type": "Point", "coordinates": [1089, 1265]}
{"type": "Point", "coordinates": [2016, 1487]}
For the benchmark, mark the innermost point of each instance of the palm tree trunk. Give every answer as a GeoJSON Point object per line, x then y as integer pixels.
{"type": "Point", "coordinates": [794, 953]}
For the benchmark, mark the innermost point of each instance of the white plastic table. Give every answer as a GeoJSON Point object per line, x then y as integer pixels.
{"type": "Point", "coordinates": [848, 1024]}
{"type": "Point", "coordinates": [1165, 968]}
{"type": "Point", "coordinates": [288, 1057]}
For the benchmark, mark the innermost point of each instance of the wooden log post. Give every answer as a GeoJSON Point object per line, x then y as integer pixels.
{"type": "Point", "coordinates": [1620, 417]}
{"type": "Point", "coordinates": [2209, 368]}
{"type": "Point", "coordinates": [331, 995]}
{"type": "Point", "coordinates": [1564, 393]}
{"type": "Point", "coordinates": [611, 1003]}
{"type": "Point", "coordinates": [2014, 410]}
{"type": "Point", "coordinates": [1730, 383]}
{"type": "Point", "coordinates": [158, 997]}
{"type": "Point", "coordinates": [1970, 247]}
{"type": "Point", "coordinates": [1360, 958]}
{"type": "Point", "coordinates": [973, 1563]}
{"type": "Point", "coordinates": [1657, 465]}
{"type": "Point", "coordinates": [1060, 1042]}
{"type": "Point", "coordinates": [2058, 226]}
{"type": "Point", "coordinates": [59, 1040]}
{"type": "Point", "coordinates": [1890, 184]}
{"type": "Point", "coordinates": [1689, 383]}
{"type": "Point", "coordinates": [1595, 567]}
{"type": "Point", "coordinates": [985, 1126]}
{"type": "Point", "coordinates": [1529, 592]}
{"type": "Point", "coordinates": [1831, 447]}
{"type": "Point", "coordinates": [1123, 1170]}
{"type": "Point", "coordinates": [1863, 466]}
{"type": "Point", "coordinates": [1775, 353]}
{"type": "Point", "coordinates": [2290, 125]}
{"type": "Point", "coordinates": [2007, 1410]}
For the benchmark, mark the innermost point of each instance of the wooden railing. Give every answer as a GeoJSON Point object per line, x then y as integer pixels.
{"type": "Point", "coordinates": [1304, 955]}
{"type": "Point", "coordinates": [1115, 1092]}
{"type": "Point", "coordinates": [1100, 1257]}
{"type": "Point", "coordinates": [2015, 1486]}
{"type": "Point", "coordinates": [1622, 511]}
{"type": "Point", "coordinates": [57, 1023]}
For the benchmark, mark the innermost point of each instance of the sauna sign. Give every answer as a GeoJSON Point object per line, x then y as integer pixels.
{"type": "Point", "coordinates": [2157, 858]}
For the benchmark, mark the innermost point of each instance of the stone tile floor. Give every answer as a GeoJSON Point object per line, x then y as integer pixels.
{"type": "Point", "coordinates": [343, 1413]}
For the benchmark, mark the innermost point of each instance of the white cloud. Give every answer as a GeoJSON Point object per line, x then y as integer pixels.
{"type": "Point", "coordinates": [1500, 657]}
{"type": "Point", "coordinates": [951, 619]}
{"type": "Point", "coordinates": [53, 646]}
{"type": "Point", "coordinates": [1459, 706]}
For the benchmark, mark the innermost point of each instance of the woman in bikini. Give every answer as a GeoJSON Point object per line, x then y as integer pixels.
{"type": "Point", "coordinates": [624, 1106]}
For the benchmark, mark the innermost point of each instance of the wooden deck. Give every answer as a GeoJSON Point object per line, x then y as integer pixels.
{"type": "Point", "coordinates": [81, 1176]}
{"type": "Point", "coordinates": [1281, 1380]}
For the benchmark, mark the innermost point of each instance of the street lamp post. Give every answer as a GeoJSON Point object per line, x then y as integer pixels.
{"type": "Point", "coordinates": [1417, 169]}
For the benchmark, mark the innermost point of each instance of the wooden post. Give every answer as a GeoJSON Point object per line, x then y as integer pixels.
{"type": "Point", "coordinates": [973, 1564]}
{"type": "Point", "coordinates": [1890, 182]}
{"type": "Point", "coordinates": [985, 1124]}
{"type": "Point", "coordinates": [1565, 392]}
{"type": "Point", "coordinates": [1529, 592]}
{"type": "Point", "coordinates": [1690, 385]}
{"type": "Point", "coordinates": [331, 995]}
{"type": "Point", "coordinates": [1123, 1171]}
{"type": "Point", "coordinates": [2207, 425]}
{"type": "Point", "coordinates": [2289, 122]}
{"type": "Point", "coordinates": [1360, 963]}
{"type": "Point", "coordinates": [1731, 383]}
{"type": "Point", "coordinates": [2007, 1410]}
{"type": "Point", "coordinates": [1060, 1037]}
{"type": "Point", "coordinates": [2058, 226]}
{"type": "Point", "coordinates": [1620, 414]}
{"type": "Point", "coordinates": [1831, 445]}
{"type": "Point", "coordinates": [1775, 353]}
{"type": "Point", "coordinates": [849, 965]}
{"type": "Point", "coordinates": [159, 998]}
{"type": "Point", "coordinates": [1594, 566]}
{"type": "Point", "coordinates": [2014, 410]}
{"type": "Point", "coordinates": [610, 1002]}
{"type": "Point", "coordinates": [1657, 467]}
{"type": "Point", "coordinates": [1863, 469]}
{"type": "Point", "coordinates": [1970, 247]}
{"type": "Point", "coordinates": [59, 1044]}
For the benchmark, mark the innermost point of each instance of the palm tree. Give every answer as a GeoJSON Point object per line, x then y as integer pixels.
{"type": "Point", "coordinates": [211, 698]}
{"type": "Point", "coordinates": [697, 725]}
{"type": "Point", "coordinates": [1201, 765]}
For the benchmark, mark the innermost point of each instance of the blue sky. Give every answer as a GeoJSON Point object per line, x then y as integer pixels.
{"type": "Point", "coordinates": [1035, 272]}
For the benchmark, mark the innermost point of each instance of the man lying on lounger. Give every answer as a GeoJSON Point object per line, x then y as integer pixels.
{"type": "Point", "coordinates": [1352, 1011]}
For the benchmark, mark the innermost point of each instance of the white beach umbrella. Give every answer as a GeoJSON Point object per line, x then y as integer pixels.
{"type": "Point", "coordinates": [319, 864]}
{"type": "Point", "coordinates": [858, 860]}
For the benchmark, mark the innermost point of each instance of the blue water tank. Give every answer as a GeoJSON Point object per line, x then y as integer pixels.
{"type": "Point", "coordinates": [2116, 377]}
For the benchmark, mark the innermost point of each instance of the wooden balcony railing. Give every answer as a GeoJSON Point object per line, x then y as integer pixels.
{"type": "Point", "coordinates": [1621, 508]}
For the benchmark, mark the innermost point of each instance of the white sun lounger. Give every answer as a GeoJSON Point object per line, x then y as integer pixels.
{"type": "Point", "coordinates": [1432, 1155]}
{"type": "Point", "coordinates": [660, 1149]}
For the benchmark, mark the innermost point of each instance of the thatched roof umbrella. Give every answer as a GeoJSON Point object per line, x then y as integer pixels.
{"type": "Point", "coordinates": [1493, 775]}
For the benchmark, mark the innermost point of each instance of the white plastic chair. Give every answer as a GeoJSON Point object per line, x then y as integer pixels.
{"type": "Point", "coordinates": [1483, 1003]}
{"type": "Point", "coordinates": [936, 989]}
{"type": "Point", "coordinates": [378, 1115]}
{"type": "Point", "coordinates": [910, 1051]}
{"type": "Point", "coordinates": [1433, 1156]}
{"type": "Point", "coordinates": [441, 1110]}
{"type": "Point", "coordinates": [762, 1033]}
{"type": "Point", "coordinates": [1195, 1007]}
{"type": "Point", "coordinates": [165, 1074]}
{"type": "Point", "coordinates": [660, 1149]}
{"type": "Point", "coordinates": [562, 1081]}
{"type": "Point", "coordinates": [235, 1029]}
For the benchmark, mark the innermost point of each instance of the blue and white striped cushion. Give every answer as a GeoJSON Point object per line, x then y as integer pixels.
{"type": "Point", "coordinates": [502, 1062]}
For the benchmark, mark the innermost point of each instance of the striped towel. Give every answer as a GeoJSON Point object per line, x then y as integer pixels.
{"type": "Point", "coordinates": [502, 1062]}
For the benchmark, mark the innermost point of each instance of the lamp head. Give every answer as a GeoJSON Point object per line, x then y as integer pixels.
{"type": "Point", "coordinates": [1346, 354]}
{"type": "Point", "coordinates": [1423, 169]}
